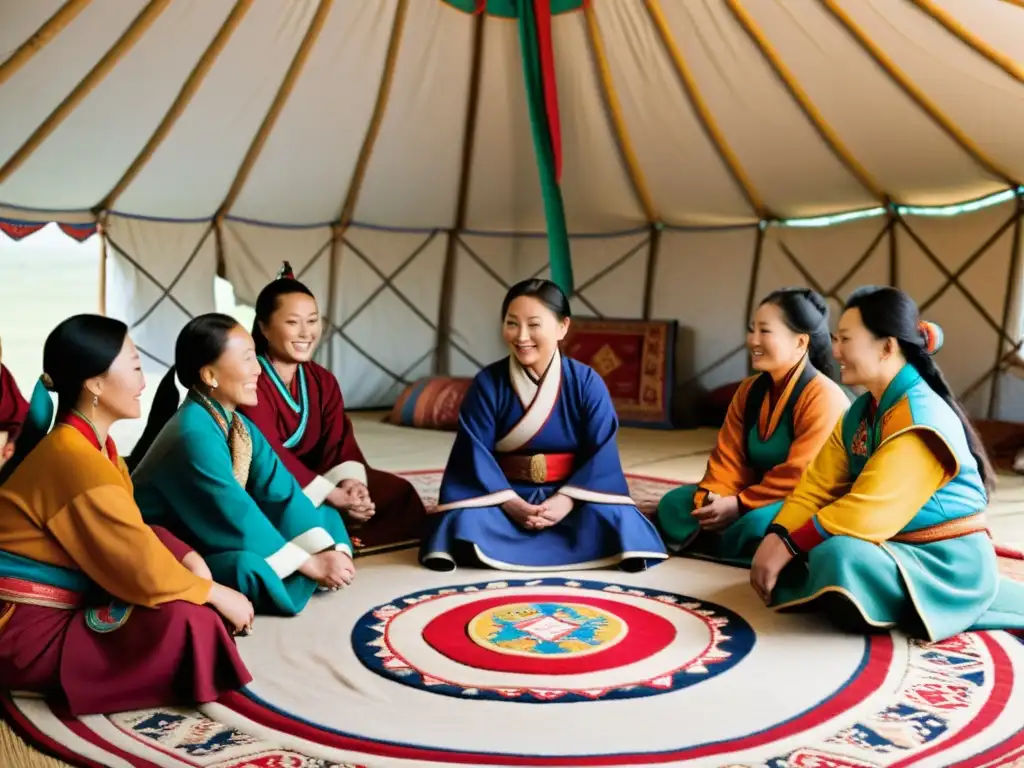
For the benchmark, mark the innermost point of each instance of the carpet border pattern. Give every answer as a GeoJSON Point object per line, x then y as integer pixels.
{"type": "Point", "coordinates": [241, 731]}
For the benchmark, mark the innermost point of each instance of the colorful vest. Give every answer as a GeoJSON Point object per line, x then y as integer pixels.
{"type": "Point", "coordinates": [763, 455]}
{"type": "Point", "coordinates": [909, 403]}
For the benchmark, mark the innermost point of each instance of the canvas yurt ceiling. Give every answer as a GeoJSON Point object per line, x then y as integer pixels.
{"type": "Point", "coordinates": [712, 150]}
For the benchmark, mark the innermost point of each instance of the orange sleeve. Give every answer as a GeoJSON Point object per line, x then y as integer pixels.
{"type": "Point", "coordinates": [103, 532]}
{"type": "Point", "coordinates": [126, 474]}
{"type": "Point", "coordinates": [727, 472]}
{"type": "Point", "coordinates": [815, 414]}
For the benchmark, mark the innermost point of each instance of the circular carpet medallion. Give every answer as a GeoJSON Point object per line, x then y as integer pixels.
{"type": "Point", "coordinates": [550, 640]}
{"type": "Point", "coordinates": [680, 665]}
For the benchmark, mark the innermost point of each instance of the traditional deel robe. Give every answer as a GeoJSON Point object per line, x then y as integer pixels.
{"type": "Point", "coordinates": [888, 523]}
{"type": "Point", "coordinates": [308, 428]}
{"type": "Point", "coordinates": [518, 436]}
{"type": "Point", "coordinates": [769, 437]}
{"type": "Point", "coordinates": [212, 479]}
{"type": "Point", "coordinates": [95, 606]}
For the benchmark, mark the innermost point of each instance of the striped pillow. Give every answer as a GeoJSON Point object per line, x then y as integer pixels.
{"type": "Point", "coordinates": [431, 403]}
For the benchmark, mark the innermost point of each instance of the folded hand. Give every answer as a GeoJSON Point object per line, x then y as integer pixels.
{"type": "Point", "coordinates": [718, 512]}
{"type": "Point", "coordinates": [525, 514]}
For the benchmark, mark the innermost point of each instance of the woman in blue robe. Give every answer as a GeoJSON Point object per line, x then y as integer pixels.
{"type": "Point", "coordinates": [534, 481]}
{"type": "Point", "coordinates": [208, 475]}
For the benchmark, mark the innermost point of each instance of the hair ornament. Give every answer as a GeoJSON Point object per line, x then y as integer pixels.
{"type": "Point", "coordinates": [46, 381]}
{"type": "Point", "coordinates": [931, 336]}
{"type": "Point", "coordinates": [286, 272]}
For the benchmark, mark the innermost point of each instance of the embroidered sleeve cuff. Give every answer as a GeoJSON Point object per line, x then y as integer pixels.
{"type": "Point", "coordinates": [314, 540]}
{"type": "Point", "coordinates": [287, 560]}
{"type": "Point", "coordinates": [809, 535]}
{"type": "Point", "coordinates": [583, 494]}
{"type": "Point", "coordinates": [343, 548]}
{"type": "Point", "coordinates": [321, 485]}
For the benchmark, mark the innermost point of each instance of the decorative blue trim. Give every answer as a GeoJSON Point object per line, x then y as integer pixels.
{"type": "Point", "coordinates": [732, 640]}
{"type": "Point", "coordinates": [301, 407]}
{"type": "Point", "coordinates": [21, 567]}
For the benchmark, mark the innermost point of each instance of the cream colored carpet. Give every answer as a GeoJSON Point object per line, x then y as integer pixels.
{"type": "Point", "coordinates": [673, 455]}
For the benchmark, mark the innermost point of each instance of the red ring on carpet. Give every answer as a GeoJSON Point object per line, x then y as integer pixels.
{"type": "Point", "coordinates": [648, 633]}
{"type": "Point", "coordinates": [865, 681]}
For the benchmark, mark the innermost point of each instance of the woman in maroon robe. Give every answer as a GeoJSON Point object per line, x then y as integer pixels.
{"type": "Point", "coordinates": [302, 413]}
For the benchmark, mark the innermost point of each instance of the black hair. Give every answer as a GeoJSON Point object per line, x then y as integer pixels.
{"type": "Point", "coordinates": [888, 312]}
{"type": "Point", "coordinates": [806, 311]}
{"type": "Point", "coordinates": [200, 343]}
{"type": "Point", "coordinates": [266, 303]}
{"type": "Point", "coordinates": [544, 291]}
{"type": "Point", "coordinates": [78, 349]}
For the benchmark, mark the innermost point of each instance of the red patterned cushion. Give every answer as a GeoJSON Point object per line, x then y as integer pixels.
{"type": "Point", "coordinates": [431, 403]}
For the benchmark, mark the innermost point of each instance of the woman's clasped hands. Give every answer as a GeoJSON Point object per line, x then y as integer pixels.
{"type": "Point", "coordinates": [535, 517]}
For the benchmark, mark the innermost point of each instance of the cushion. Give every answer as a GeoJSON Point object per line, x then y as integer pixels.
{"type": "Point", "coordinates": [432, 402]}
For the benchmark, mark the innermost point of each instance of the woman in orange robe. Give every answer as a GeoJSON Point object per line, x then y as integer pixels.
{"type": "Point", "coordinates": [96, 607]}
{"type": "Point", "coordinates": [776, 423]}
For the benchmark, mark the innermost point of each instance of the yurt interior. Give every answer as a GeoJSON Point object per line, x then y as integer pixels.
{"type": "Point", "coordinates": [668, 164]}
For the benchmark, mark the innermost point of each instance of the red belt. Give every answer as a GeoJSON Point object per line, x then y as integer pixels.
{"type": "Point", "coordinates": [13, 590]}
{"type": "Point", "coordinates": [539, 468]}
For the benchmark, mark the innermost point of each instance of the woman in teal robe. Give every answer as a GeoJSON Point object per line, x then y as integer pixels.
{"type": "Point", "coordinates": [206, 473]}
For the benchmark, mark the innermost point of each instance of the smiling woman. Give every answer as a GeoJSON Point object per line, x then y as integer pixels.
{"type": "Point", "coordinates": [534, 479]}
{"type": "Point", "coordinates": [777, 421]}
{"type": "Point", "coordinates": [301, 411]}
{"type": "Point", "coordinates": [887, 525]}
{"type": "Point", "coordinates": [70, 531]}
{"type": "Point", "coordinates": [207, 473]}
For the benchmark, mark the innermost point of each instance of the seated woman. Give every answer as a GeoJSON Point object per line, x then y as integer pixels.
{"type": "Point", "coordinates": [887, 525]}
{"type": "Point", "coordinates": [208, 475]}
{"type": "Point", "coordinates": [776, 423]}
{"type": "Point", "coordinates": [534, 480]}
{"type": "Point", "coordinates": [301, 413]}
{"type": "Point", "coordinates": [96, 607]}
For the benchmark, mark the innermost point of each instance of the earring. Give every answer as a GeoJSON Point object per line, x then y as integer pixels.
{"type": "Point", "coordinates": [213, 384]}
{"type": "Point", "coordinates": [95, 400]}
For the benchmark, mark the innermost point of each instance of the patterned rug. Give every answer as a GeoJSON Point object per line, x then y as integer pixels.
{"type": "Point", "coordinates": [680, 665]}
{"type": "Point", "coordinates": [636, 360]}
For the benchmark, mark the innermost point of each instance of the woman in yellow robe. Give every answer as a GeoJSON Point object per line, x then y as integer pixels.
{"type": "Point", "coordinates": [777, 421]}
{"type": "Point", "coordinates": [96, 607]}
{"type": "Point", "coordinates": [887, 526]}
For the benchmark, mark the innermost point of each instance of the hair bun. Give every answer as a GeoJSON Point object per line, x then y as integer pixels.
{"type": "Point", "coordinates": [817, 301]}
{"type": "Point", "coordinates": [931, 336]}
{"type": "Point", "coordinates": [286, 272]}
